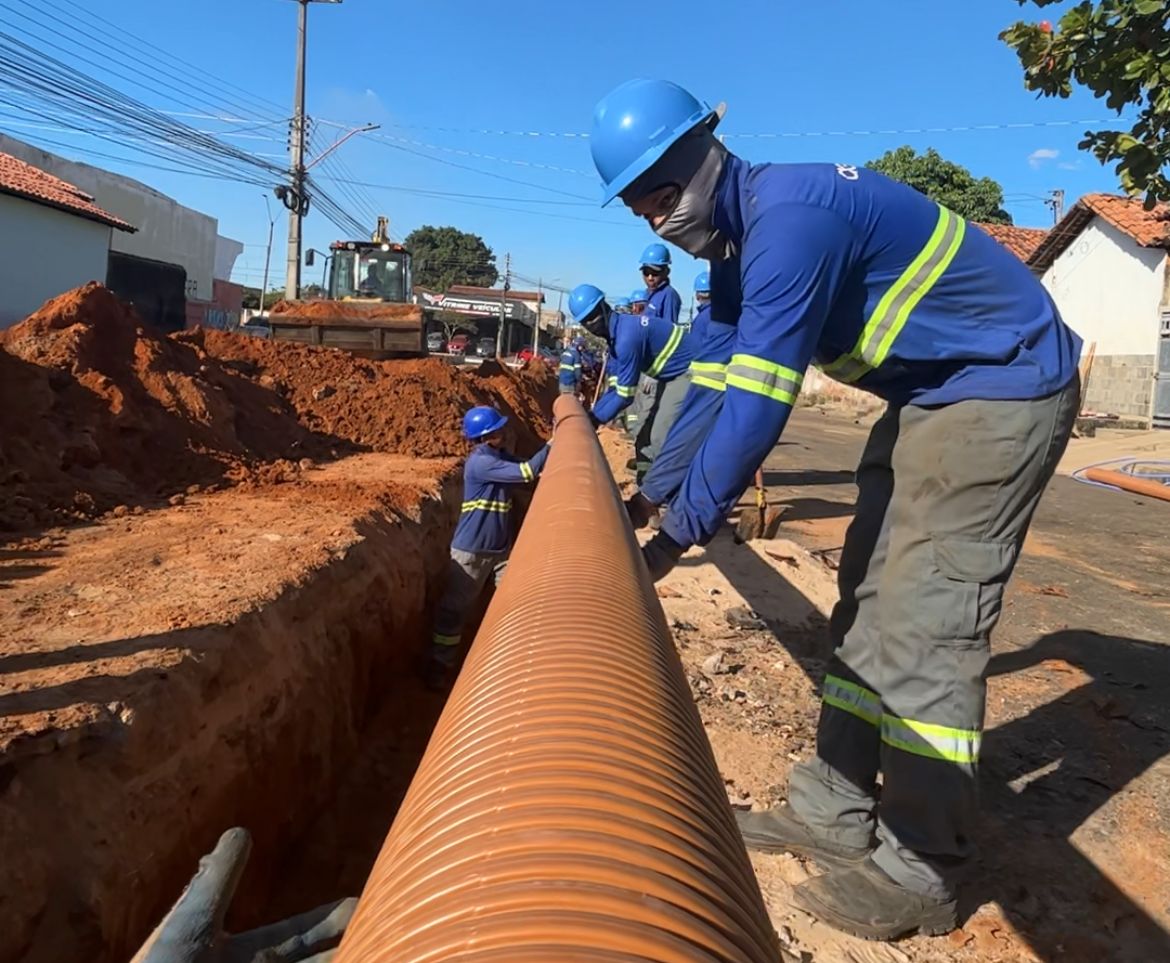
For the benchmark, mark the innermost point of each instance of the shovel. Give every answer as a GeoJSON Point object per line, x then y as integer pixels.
{"type": "Point", "coordinates": [760, 523]}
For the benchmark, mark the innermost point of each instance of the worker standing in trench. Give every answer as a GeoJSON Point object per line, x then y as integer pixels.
{"type": "Point", "coordinates": [569, 370]}
{"type": "Point", "coordinates": [886, 290]}
{"type": "Point", "coordinates": [641, 345]}
{"type": "Point", "coordinates": [483, 534]}
{"type": "Point", "coordinates": [703, 401]}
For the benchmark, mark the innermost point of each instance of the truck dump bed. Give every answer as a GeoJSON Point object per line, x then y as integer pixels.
{"type": "Point", "coordinates": [371, 329]}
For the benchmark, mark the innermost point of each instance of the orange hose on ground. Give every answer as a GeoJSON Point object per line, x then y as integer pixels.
{"type": "Point", "coordinates": [1129, 483]}
{"type": "Point", "coordinates": [568, 806]}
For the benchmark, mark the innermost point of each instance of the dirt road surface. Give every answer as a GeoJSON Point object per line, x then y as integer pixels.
{"type": "Point", "coordinates": [1075, 851]}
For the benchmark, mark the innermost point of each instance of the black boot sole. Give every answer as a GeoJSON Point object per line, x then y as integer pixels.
{"type": "Point", "coordinates": [936, 922]}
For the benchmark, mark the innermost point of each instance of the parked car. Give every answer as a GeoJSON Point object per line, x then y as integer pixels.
{"type": "Point", "coordinates": [436, 343]}
{"type": "Point", "coordinates": [486, 347]}
{"type": "Point", "coordinates": [548, 357]}
{"type": "Point", "coordinates": [458, 344]}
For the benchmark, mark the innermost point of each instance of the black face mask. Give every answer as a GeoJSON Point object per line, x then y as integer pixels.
{"type": "Point", "coordinates": [598, 324]}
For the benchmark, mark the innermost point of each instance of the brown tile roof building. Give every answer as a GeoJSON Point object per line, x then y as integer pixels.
{"type": "Point", "coordinates": [1021, 241]}
{"type": "Point", "coordinates": [1126, 214]}
{"type": "Point", "coordinates": [31, 183]}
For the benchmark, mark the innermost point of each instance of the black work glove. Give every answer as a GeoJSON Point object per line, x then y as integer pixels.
{"type": "Point", "coordinates": [661, 554]}
{"type": "Point", "coordinates": [640, 509]}
{"type": "Point", "coordinates": [192, 932]}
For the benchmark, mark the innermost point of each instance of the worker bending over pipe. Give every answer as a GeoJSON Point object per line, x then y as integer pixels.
{"type": "Point", "coordinates": [890, 292]}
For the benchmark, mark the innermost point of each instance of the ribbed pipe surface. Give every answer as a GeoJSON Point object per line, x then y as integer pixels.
{"type": "Point", "coordinates": [568, 807]}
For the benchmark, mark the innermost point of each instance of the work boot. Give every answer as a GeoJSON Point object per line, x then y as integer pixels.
{"type": "Point", "coordinates": [865, 902]}
{"type": "Point", "coordinates": [780, 831]}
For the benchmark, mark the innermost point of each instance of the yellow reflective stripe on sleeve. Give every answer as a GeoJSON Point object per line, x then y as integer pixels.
{"type": "Point", "coordinates": [959, 746]}
{"type": "Point", "coordinates": [486, 505]}
{"type": "Point", "coordinates": [749, 373]}
{"type": "Point", "coordinates": [445, 639]}
{"type": "Point", "coordinates": [676, 336]}
{"type": "Point", "coordinates": [894, 308]}
{"type": "Point", "coordinates": [626, 391]}
{"type": "Point", "coordinates": [852, 698]}
{"type": "Point", "coordinates": [569, 367]}
{"type": "Point", "coordinates": [709, 374]}
{"type": "Point", "coordinates": [526, 471]}
{"type": "Point", "coordinates": [611, 381]}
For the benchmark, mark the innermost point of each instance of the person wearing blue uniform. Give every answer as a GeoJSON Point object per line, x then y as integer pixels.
{"type": "Point", "coordinates": [641, 345]}
{"type": "Point", "coordinates": [886, 290]}
{"type": "Point", "coordinates": [663, 299]}
{"type": "Point", "coordinates": [569, 370]}
{"type": "Point", "coordinates": [636, 414]}
{"type": "Point", "coordinates": [704, 400]}
{"type": "Point", "coordinates": [483, 534]}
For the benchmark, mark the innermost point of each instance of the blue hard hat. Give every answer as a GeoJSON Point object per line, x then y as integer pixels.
{"type": "Point", "coordinates": [656, 255]}
{"type": "Point", "coordinates": [621, 302]}
{"type": "Point", "coordinates": [640, 294]}
{"type": "Point", "coordinates": [482, 420]}
{"type": "Point", "coordinates": [578, 342]}
{"type": "Point", "coordinates": [635, 124]}
{"type": "Point", "coordinates": [583, 299]}
{"type": "Point", "coordinates": [703, 283]}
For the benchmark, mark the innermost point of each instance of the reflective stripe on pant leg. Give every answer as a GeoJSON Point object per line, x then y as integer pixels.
{"type": "Point", "coordinates": [835, 791]}
{"type": "Point", "coordinates": [968, 477]}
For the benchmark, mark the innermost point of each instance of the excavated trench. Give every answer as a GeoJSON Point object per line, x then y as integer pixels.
{"type": "Point", "coordinates": [300, 719]}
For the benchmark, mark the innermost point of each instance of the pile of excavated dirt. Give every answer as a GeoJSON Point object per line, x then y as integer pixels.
{"type": "Point", "coordinates": [98, 412]}
{"type": "Point", "coordinates": [408, 407]}
{"type": "Point", "coordinates": [350, 310]}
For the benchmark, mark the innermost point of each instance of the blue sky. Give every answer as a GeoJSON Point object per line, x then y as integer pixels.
{"type": "Point", "coordinates": [437, 74]}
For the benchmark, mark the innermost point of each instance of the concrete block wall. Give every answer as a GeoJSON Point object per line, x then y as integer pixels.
{"type": "Point", "coordinates": [1121, 384]}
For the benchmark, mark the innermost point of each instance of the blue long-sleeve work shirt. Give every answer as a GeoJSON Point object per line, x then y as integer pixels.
{"type": "Point", "coordinates": [485, 522]}
{"type": "Point", "coordinates": [642, 344]}
{"type": "Point", "coordinates": [699, 409]}
{"type": "Point", "coordinates": [885, 290]}
{"type": "Point", "coordinates": [569, 372]}
{"type": "Point", "coordinates": [665, 303]}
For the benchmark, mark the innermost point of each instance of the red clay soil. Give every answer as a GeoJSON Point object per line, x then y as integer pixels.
{"type": "Point", "coordinates": [97, 411]}
{"type": "Point", "coordinates": [408, 407]}
{"type": "Point", "coordinates": [316, 311]}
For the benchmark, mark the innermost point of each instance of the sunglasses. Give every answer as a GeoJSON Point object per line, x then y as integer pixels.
{"type": "Point", "coordinates": [653, 272]}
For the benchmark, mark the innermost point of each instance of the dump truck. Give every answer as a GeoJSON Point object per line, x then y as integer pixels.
{"type": "Point", "coordinates": [367, 310]}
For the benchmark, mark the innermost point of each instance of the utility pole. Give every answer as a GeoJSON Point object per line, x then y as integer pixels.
{"type": "Point", "coordinates": [536, 324]}
{"type": "Point", "coordinates": [504, 305]}
{"type": "Point", "coordinates": [295, 199]}
{"type": "Point", "coordinates": [268, 253]}
{"type": "Point", "coordinates": [1056, 202]}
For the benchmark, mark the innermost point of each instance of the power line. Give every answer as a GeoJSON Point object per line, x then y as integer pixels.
{"type": "Point", "coordinates": [958, 128]}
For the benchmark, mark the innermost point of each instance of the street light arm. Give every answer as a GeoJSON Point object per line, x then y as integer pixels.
{"type": "Point", "coordinates": [341, 140]}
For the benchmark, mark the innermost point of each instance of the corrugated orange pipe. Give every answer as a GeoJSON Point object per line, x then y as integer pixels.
{"type": "Point", "coordinates": [568, 806]}
{"type": "Point", "coordinates": [1128, 483]}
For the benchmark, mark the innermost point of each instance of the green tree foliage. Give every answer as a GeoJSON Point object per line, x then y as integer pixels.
{"type": "Point", "coordinates": [452, 322]}
{"type": "Point", "coordinates": [251, 297]}
{"type": "Point", "coordinates": [445, 255]}
{"type": "Point", "coordinates": [1119, 50]}
{"type": "Point", "coordinates": [946, 182]}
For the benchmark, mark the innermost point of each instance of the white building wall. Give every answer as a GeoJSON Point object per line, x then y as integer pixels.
{"type": "Point", "coordinates": [1109, 289]}
{"type": "Point", "coordinates": [45, 252]}
{"type": "Point", "coordinates": [167, 231]}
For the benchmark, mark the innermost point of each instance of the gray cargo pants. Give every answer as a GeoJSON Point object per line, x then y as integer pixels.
{"type": "Point", "coordinates": [945, 497]}
{"type": "Point", "coordinates": [665, 403]}
{"type": "Point", "coordinates": [467, 573]}
{"type": "Point", "coordinates": [637, 413]}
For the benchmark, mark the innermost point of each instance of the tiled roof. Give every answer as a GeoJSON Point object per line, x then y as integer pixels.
{"type": "Point", "coordinates": [1021, 241]}
{"type": "Point", "coordinates": [23, 180]}
{"type": "Point", "coordinates": [1126, 214]}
